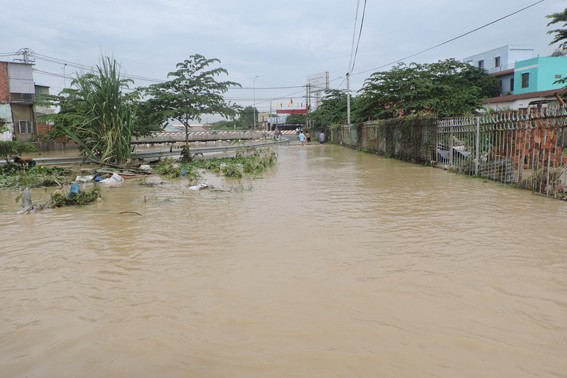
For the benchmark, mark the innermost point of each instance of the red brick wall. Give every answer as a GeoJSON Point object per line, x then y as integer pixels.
{"type": "Point", "coordinates": [4, 90]}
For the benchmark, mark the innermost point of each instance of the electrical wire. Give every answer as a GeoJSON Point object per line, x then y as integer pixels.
{"type": "Point", "coordinates": [450, 40]}
{"type": "Point", "coordinates": [359, 34]}
{"type": "Point", "coordinates": [353, 33]}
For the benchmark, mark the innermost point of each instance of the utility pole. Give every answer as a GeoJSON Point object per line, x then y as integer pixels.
{"type": "Point", "coordinates": [254, 94]}
{"type": "Point", "coordinates": [64, 78]}
{"type": "Point", "coordinates": [307, 99]}
{"type": "Point", "coordinates": [25, 52]}
{"type": "Point", "coordinates": [348, 98]}
{"type": "Point", "coordinates": [270, 117]}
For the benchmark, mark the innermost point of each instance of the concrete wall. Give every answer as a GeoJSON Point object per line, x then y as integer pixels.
{"type": "Point", "coordinates": [23, 112]}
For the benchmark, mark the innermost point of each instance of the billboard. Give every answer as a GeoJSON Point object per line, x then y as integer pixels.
{"type": "Point", "coordinates": [319, 82]}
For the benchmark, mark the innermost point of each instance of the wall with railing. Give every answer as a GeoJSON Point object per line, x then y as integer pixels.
{"type": "Point", "coordinates": [525, 149]}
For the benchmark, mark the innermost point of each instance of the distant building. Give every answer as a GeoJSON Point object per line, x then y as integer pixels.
{"type": "Point", "coordinates": [17, 99]}
{"type": "Point", "coordinates": [501, 59]}
{"type": "Point", "coordinates": [525, 80]}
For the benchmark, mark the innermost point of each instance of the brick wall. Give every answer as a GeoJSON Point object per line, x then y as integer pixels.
{"type": "Point", "coordinates": [4, 89]}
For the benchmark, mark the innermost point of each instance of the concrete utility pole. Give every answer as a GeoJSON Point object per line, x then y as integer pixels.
{"type": "Point", "coordinates": [254, 94]}
{"type": "Point", "coordinates": [348, 98]}
{"type": "Point", "coordinates": [307, 100]}
{"type": "Point", "coordinates": [270, 117]}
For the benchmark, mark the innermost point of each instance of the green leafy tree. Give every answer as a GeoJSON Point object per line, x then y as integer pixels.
{"type": "Point", "coordinates": [560, 35]}
{"type": "Point", "coordinates": [191, 92]}
{"type": "Point", "coordinates": [446, 88]}
{"type": "Point", "coordinates": [246, 118]}
{"type": "Point", "coordinates": [296, 119]}
{"type": "Point", "coordinates": [224, 125]}
{"type": "Point", "coordinates": [332, 110]}
{"type": "Point", "coordinates": [97, 114]}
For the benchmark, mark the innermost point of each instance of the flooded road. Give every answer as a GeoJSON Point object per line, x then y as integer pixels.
{"type": "Point", "coordinates": [335, 263]}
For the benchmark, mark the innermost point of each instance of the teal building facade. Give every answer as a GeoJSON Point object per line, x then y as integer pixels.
{"type": "Point", "coordinates": [539, 74]}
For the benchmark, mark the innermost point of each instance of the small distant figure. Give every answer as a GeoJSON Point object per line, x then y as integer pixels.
{"type": "Point", "coordinates": [302, 138]}
{"type": "Point", "coordinates": [321, 137]}
{"type": "Point", "coordinates": [24, 161]}
{"type": "Point", "coordinates": [308, 136]}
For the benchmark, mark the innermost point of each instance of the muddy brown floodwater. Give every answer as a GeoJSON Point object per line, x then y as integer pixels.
{"type": "Point", "coordinates": [336, 263]}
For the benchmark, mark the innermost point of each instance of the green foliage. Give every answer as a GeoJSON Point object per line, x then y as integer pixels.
{"type": "Point", "coordinates": [85, 197]}
{"type": "Point", "coordinates": [331, 111]}
{"type": "Point", "coordinates": [246, 118]}
{"type": "Point", "coordinates": [560, 35]}
{"type": "Point", "coordinates": [248, 161]}
{"type": "Point", "coordinates": [296, 119]}
{"type": "Point", "coordinates": [446, 88]}
{"type": "Point", "coordinates": [9, 148]}
{"type": "Point", "coordinates": [255, 160]}
{"type": "Point", "coordinates": [224, 125]}
{"type": "Point", "coordinates": [96, 114]}
{"type": "Point", "coordinates": [15, 176]}
{"type": "Point", "coordinates": [167, 167]}
{"type": "Point", "coordinates": [191, 92]}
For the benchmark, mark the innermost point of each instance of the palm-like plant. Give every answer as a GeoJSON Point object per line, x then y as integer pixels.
{"type": "Point", "coordinates": [96, 114]}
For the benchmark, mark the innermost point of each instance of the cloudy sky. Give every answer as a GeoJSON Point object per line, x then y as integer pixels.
{"type": "Point", "coordinates": [280, 42]}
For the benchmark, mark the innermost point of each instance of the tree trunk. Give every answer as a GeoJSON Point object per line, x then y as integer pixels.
{"type": "Point", "coordinates": [185, 153]}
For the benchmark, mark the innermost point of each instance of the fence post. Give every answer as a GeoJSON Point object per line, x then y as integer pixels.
{"type": "Point", "coordinates": [451, 144]}
{"type": "Point", "coordinates": [477, 146]}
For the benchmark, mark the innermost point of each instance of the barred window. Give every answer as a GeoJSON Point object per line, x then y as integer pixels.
{"type": "Point", "coordinates": [26, 127]}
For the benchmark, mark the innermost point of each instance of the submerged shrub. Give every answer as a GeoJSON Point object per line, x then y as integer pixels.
{"type": "Point", "coordinates": [15, 176]}
{"type": "Point", "coordinates": [86, 196]}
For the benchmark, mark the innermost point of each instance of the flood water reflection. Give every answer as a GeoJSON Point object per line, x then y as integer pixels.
{"type": "Point", "coordinates": [335, 263]}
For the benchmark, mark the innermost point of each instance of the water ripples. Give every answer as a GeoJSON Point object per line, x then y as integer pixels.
{"type": "Point", "coordinates": [336, 262]}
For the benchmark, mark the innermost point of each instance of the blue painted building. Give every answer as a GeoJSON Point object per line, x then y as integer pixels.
{"type": "Point", "coordinates": [539, 74]}
{"type": "Point", "coordinates": [525, 79]}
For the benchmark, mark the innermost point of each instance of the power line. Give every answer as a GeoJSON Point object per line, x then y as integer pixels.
{"type": "Point", "coordinates": [359, 34]}
{"type": "Point", "coordinates": [452, 39]}
{"type": "Point", "coordinates": [353, 33]}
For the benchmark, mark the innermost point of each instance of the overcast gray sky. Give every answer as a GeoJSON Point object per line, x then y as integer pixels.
{"type": "Point", "coordinates": [281, 42]}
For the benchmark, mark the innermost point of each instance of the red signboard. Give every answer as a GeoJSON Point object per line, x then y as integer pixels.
{"type": "Point", "coordinates": [291, 111]}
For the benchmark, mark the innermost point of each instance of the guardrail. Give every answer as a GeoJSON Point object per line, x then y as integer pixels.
{"type": "Point", "coordinates": [202, 136]}
{"type": "Point", "coordinates": [152, 155]}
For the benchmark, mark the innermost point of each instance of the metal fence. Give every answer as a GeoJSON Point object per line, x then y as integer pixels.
{"type": "Point", "coordinates": [524, 148]}
{"type": "Point", "coordinates": [527, 148]}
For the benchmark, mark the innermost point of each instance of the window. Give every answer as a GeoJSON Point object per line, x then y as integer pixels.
{"type": "Point", "coordinates": [22, 97]}
{"type": "Point", "coordinates": [525, 80]}
{"type": "Point", "coordinates": [481, 64]}
{"type": "Point", "coordinates": [497, 62]}
{"type": "Point", "coordinates": [512, 85]}
{"type": "Point", "coordinates": [26, 127]}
